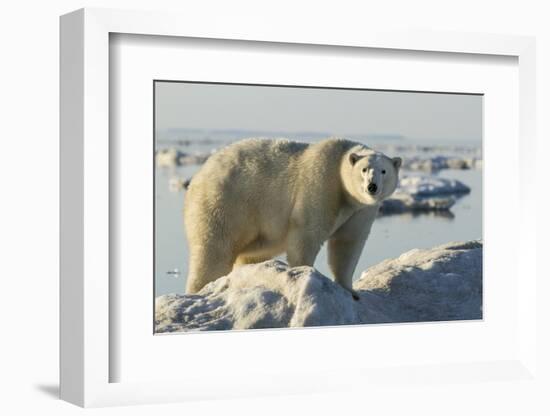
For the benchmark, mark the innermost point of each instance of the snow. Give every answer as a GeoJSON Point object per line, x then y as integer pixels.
{"type": "Point", "coordinates": [442, 283]}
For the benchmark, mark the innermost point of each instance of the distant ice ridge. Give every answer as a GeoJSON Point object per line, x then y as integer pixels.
{"type": "Point", "coordinates": [437, 163]}
{"type": "Point", "coordinates": [441, 283]}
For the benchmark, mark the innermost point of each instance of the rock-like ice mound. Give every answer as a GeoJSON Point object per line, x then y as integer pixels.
{"type": "Point", "coordinates": [264, 295]}
{"type": "Point", "coordinates": [442, 283]}
{"type": "Point", "coordinates": [430, 186]}
{"type": "Point", "coordinates": [166, 158]}
{"type": "Point", "coordinates": [423, 193]}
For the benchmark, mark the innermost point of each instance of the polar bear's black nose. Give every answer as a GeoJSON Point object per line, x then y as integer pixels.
{"type": "Point", "coordinates": [372, 188]}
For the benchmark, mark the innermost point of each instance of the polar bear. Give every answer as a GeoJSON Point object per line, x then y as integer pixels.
{"type": "Point", "coordinates": [258, 198]}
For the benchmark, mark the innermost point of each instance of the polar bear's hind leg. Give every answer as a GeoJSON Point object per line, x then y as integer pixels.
{"type": "Point", "coordinates": [207, 263]}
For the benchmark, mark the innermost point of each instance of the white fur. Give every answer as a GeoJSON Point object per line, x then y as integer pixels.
{"type": "Point", "coordinates": [258, 198]}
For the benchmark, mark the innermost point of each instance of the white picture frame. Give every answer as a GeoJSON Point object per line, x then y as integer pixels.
{"type": "Point", "coordinates": [86, 304]}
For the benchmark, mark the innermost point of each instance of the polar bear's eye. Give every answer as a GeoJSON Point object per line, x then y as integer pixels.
{"type": "Point", "coordinates": [383, 172]}
{"type": "Point", "coordinates": [364, 170]}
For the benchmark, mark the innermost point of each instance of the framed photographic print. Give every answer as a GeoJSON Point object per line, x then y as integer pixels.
{"type": "Point", "coordinates": [324, 194]}
{"type": "Point", "coordinates": [272, 206]}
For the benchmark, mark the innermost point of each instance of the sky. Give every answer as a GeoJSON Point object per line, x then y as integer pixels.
{"type": "Point", "coordinates": [442, 117]}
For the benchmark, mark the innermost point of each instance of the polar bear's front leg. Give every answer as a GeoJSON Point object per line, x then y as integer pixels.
{"type": "Point", "coordinates": [345, 247]}
{"type": "Point", "coordinates": [343, 255]}
{"type": "Point", "coordinates": [302, 247]}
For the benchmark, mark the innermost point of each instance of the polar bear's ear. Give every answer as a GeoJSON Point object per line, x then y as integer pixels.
{"type": "Point", "coordinates": [353, 158]}
{"type": "Point", "coordinates": [397, 162]}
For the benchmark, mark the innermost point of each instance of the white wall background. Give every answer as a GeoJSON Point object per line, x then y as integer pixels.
{"type": "Point", "coordinates": [29, 204]}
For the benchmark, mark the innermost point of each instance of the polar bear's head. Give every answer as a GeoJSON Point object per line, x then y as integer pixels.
{"type": "Point", "coordinates": [374, 175]}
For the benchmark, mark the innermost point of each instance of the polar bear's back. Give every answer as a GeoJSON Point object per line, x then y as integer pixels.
{"type": "Point", "coordinates": [248, 183]}
{"type": "Point", "coordinates": [250, 165]}
{"type": "Point", "coordinates": [259, 153]}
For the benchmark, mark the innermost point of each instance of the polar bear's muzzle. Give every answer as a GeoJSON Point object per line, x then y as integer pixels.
{"type": "Point", "coordinates": [372, 181]}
